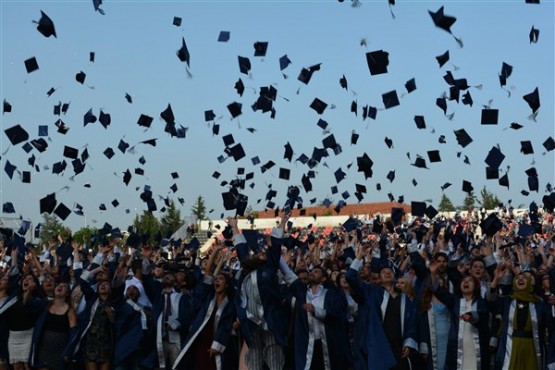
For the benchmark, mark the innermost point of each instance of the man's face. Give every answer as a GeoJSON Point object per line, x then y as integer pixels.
{"type": "Point", "coordinates": [386, 275]}
{"type": "Point", "coordinates": [316, 276]}
{"type": "Point", "coordinates": [441, 264]}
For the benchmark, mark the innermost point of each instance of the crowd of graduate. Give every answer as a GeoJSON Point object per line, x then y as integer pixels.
{"type": "Point", "coordinates": [470, 292]}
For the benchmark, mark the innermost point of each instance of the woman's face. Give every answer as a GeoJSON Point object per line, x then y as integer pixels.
{"type": "Point", "coordinates": [62, 290]}
{"type": "Point", "coordinates": [220, 284]}
{"type": "Point", "coordinates": [343, 282]}
{"type": "Point", "coordinates": [521, 282]}
{"type": "Point", "coordinates": [105, 287]}
{"type": "Point", "coordinates": [48, 284]}
{"type": "Point", "coordinates": [334, 275]}
{"type": "Point", "coordinates": [468, 285]}
{"type": "Point", "coordinates": [401, 285]}
{"type": "Point", "coordinates": [28, 282]}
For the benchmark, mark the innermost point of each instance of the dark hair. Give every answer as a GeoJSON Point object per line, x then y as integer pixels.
{"type": "Point", "coordinates": [230, 290]}
{"type": "Point", "coordinates": [324, 272]}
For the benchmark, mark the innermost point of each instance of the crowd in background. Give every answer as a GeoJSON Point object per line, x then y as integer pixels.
{"type": "Point", "coordinates": [471, 292]}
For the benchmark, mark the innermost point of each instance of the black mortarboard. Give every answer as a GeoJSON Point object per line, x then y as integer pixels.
{"type": "Point", "coordinates": [228, 139]}
{"type": "Point", "coordinates": [329, 142]}
{"type": "Point", "coordinates": [209, 115]}
{"type": "Point", "coordinates": [48, 203]}
{"type": "Point", "coordinates": [307, 185]}
{"type": "Point", "coordinates": [62, 211]}
{"type": "Point", "coordinates": [388, 142]}
{"type": "Point", "coordinates": [80, 77]}
{"type": "Point", "coordinates": [532, 179]}
{"type": "Point", "coordinates": [58, 109]}
{"type": "Point", "coordinates": [126, 177]}
{"type": "Point", "coordinates": [360, 188]}
{"type": "Point", "coordinates": [350, 224]}
{"type": "Point", "coordinates": [377, 61]}
{"type": "Point", "coordinates": [322, 124]}
{"type": "Point", "coordinates": [183, 53]}
{"type": "Point", "coordinates": [8, 207]}
{"type": "Point", "coordinates": [433, 156]}
{"type": "Point", "coordinates": [492, 173]}
{"type": "Point", "coordinates": [420, 162]}
{"type": "Point", "coordinates": [533, 100]}
{"type": "Point", "coordinates": [7, 107]}
{"type": "Point", "coordinates": [490, 116]}
{"type": "Point", "coordinates": [70, 152]}
{"type": "Point", "coordinates": [39, 144]}
{"type": "Point", "coordinates": [46, 26]}
{"type": "Point", "coordinates": [244, 64]}
{"type": "Point", "coordinates": [235, 109]}
{"type": "Point", "coordinates": [491, 224]}
{"type": "Point", "coordinates": [102, 207]}
{"type": "Point", "coordinates": [339, 175]}
{"type": "Point", "coordinates": [288, 152]}
{"type": "Point", "coordinates": [237, 152]}
{"type": "Point", "coordinates": [284, 173]}
{"type": "Point", "coordinates": [62, 128]}
{"type": "Point", "coordinates": [431, 212]}
{"type": "Point", "coordinates": [109, 153]}
{"type": "Point", "coordinates": [391, 176]}
{"type": "Point", "coordinates": [467, 99]}
{"type": "Point", "coordinates": [50, 91]}
{"type": "Point", "coordinates": [549, 144]}
{"type": "Point", "coordinates": [397, 215]}
{"type": "Point", "coordinates": [441, 20]}
{"type": "Point", "coordinates": [122, 146]}
{"type": "Point", "coordinates": [343, 82]}
{"type": "Point", "coordinates": [334, 190]}
{"type": "Point", "coordinates": [418, 208]}
{"type": "Point", "coordinates": [260, 48]}
{"type": "Point", "coordinates": [318, 105]}
{"type": "Point", "coordinates": [390, 99]}
{"type": "Point", "coordinates": [139, 171]}
{"type": "Point", "coordinates": [354, 137]}
{"type": "Point", "coordinates": [224, 36]}
{"type": "Point", "coordinates": [463, 138]}
{"type": "Point", "coordinates": [306, 74]}
{"type": "Point", "coordinates": [420, 122]}
{"type": "Point", "coordinates": [534, 35]}
{"type": "Point", "coordinates": [442, 103]}
{"type": "Point", "coordinates": [410, 85]}
{"type": "Point", "coordinates": [10, 169]}
{"type": "Point", "coordinates": [91, 56]}
{"type": "Point", "coordinates": [504, 181]}
{"type": "Point", "coordinates": [364, 164]}
{"type": "Point", "coordinates": [494, 158]}
{"type": "Point", "coordinates": [167, 115]}
{"type": "Point", "coordinates": [59, 167]}
{"type": "Point", "coordinates": [78, 166]}
{"type": "Point", "coordinates": [506, 71]}
{"type": "Point", "coordinates": [284, 62]}
{"type": "Point", "coordinates": [31, 65]}
{"type": "Point", "coordinates": [467, 186]}
{"type": "Point", "coordinates": [89, 117]}
{"type": "Point", "coordinates": [443, 58]}
{"type": "Point", "coordinates": [26, 177]}
{"type": "Point", "coordinates": [16, 134]}
{"type": "Point", "coordinates": [526, 147]}
{"type": "Point", "coordinates": [177, 21]}
{"type": "Point", "coordinates": [240, 87]}
{"type": "Point", "coordinates": [445, 186]}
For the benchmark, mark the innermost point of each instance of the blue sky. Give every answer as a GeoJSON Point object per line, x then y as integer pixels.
{"type": "Point", "coordinates": [135, 48]}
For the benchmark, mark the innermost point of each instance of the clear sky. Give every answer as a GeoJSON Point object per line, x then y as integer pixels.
{"type": "Point", "coordinates": [135, 46]}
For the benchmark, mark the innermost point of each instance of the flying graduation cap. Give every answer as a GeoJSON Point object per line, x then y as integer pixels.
{"type": "Point", "coordinates": [45, 25]}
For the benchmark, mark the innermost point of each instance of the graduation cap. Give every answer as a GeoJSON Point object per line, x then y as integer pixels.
{"type": "Point", "coordinates": [489, 116]}
{"type": "Point", "coordinates": [445, 186]}
{"type": "Point", "coordinates": [443, 58]}
{"type": "Point", "coordinates": [284, 62]}
{"type": "Point", "coordinates": [89, 117]}
{"type": "Point", "coordinates": [59, 167]}
{"type": "Point", "coordinates": [306, 74]}
{"type": "Point", "coordinates": [183, 53]}
{"type": "Point", "coordinates": [237, 152]}
{"type": "Point", "coordinates": [420, 123]}
{"type": "Point", "coordinates": [506, 71]}
{"type": "Point", "coordinates": [354, 137]}
{"type": "Point", "coordinates": [431, 212]}
{"type": "Point", "coordinates": [318, 105]}
{"type": "Point", "coordinates": [377, 62]}
{"type": "Point", "coordinates": [16, 134]}
{"type": "Point", "coordinates": [224, 36]}
{"type": "Point", "coordinates": [62, 128]}
{"type": "Point", "coordinates": [244, 64]}
{"type": "Point", "coordinates": [109, 153]}
{"type": "Point", "coordinates": [122, 146]}
{"type": "Point", "coordinates": [397, 214]}
{"type": "Point", "coordinates": [343, 82]}
{"type": "Point", "coordinates": [260, 48]}
{"type": "Point", "coordinates": [433, 156]}
{"type": "Point", "coordinates": [70, 152]}
{"type": "Point", "coordinates": [62, 211]}
{"type": "Point", "coordinates": [350, 224]}
{"type": "Point", "coordinates": [467, 186]}
{"type": "Point", "coordinates": [418, 209]}
{"type": "Point", "coordinates": [410, 85]}
{"type": "Point", "coordinates": [339, 175]}
{"type": "Point", "coordinates": [364, 164]}
{"type": "Point", "coordinates": [420, 162]}
{"type": "Point", "coordinates": [532, 179]}
{"type": "Point", "coordinates": [80, 77]}
{"type": "Point", "coordinates": [442, 103]}
{"type": "Point", "coordinates": [288, 152]}
{"type": "Point", "coordinates": [492, 173]}
{"type": "Point", "coordinates": [549, 144]}
{"type": "Point", "coordinates": [284, 173]}
{"type": "Point", "coordinates": [40, 144]}
{"type": "Point", "coordinates": [45, 25]}
{"type": "Point", "coordinates": [390, 99]}
{"type": "Point", "coordinates": [235, 109]}
{"type": "Point", "coordinates": [7, 107]}
{"type": "Point", "coordinates": [533, 100]}
{"type": "Point", "coordinates": [177, 21]}
{"type": "Point", "coordinates": [240, 87]}
{"type": "Point", "coordinates": [462, 137]}
{"type": "Point", "coordinates": [441, 20]}
{"type": "Point", "coordinates": [494, 158]}
{"type": "Point", "coordinates": [504, 180]}
{"type": "Point", "coordinates": [48, 203]}
{"type": "Point", "coordinates": [491, 224]}
{"type": "Point", "coordinates": [26, 177]}
{"type": "Point", "coordinates": [467, 99]}
{"type": "Point", "coordinates": [534, 35]}
{"type": "Point", "coordinates": [526, 147]}
{"type": "Point", "coordinates": [31, 65]}
{"type": "Point", "coordinates": [8, 207]}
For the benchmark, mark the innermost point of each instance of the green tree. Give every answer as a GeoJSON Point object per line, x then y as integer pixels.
{"type": "Point", "coordinates": [171, 220]}
{"type": "Point", "coordinates": [85, 234]}
{"type": "Point", "coordinates": [469, 201]}
{"type": "Point", "coordinates": [52, 227]}
{"type": "Point", "coordinates": [147, 225]}
{"type": "Point", "coordinates": [489, 200]}
{"type": "Point", "coordinates": [199, 209]}
{"type": "Point", "coordinates": [445, 204]}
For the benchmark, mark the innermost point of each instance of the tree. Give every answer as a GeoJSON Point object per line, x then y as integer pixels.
{"type": "Point", "coordinates": [445, 204]}
{"type": "Point", "coordinates": [171, 220]}
{"type": "Point", "coordinates": [199, 209]}
{"type": "Point", "coordinates": [469, 201]}
{"type": "Point", "coordinates": [489, 200]}
{"type": "Point", "coordinates": [85, 234]}
{"type": "Point", "coordinates": [147, 225]}
{"type": "Point", "coordinates": [52, 227]}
